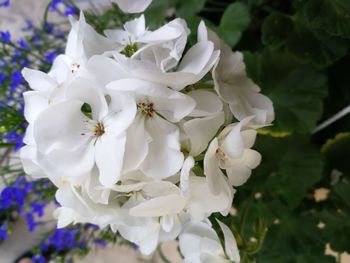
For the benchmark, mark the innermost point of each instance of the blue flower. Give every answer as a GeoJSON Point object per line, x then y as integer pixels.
{"type": "Point", "coordinates": [23, 44]}
{"type": "Point", "coordinates": [63, 239]}
{"type": "Point", "coordinates": [30, 221]}
{"type": "Point", "coordinates": [38, 208]}
{"type": "Point", "coordinates": [50, 56]}
{"type": "Point", "coordinates": [39, 259]}
{"type": "Point", "coordinates": [17, 77]}
{"type": "Point", "coordinates": [11, 196]}
{"type": "Point", "coordinates": [3, 231]}
{"type": "Point", "coordinates": [5, 36]}
{"type": "Point", "coordinates": [100, 242]}
{"type": "Point", "coordinates": [4, 3]}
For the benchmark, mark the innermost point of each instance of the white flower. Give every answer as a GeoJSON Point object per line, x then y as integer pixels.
{"type": "Point", "coordinates": [163, 47]}
{"type": "Point", "coordinates": [231, 151]}
{"type": "Point", "coordinates": [199, 128]}
{"type": "Point", "coordinates": [83, 42]}
{"type": "Point", "coordinates": [235, 88]}
{"type": "Point", "coordinates": [194, 65]}
{"type": "Point", "coordinates": [133, 6]}
{"type": "Point", "coordinates": [199, 243]}
{"type": "Point", "coordinates": [70, 143]}
{"type": "Point", "coordinates": [153, 139]}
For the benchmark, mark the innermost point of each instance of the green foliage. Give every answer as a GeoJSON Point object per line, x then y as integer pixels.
{"type": "Point", "coordinates": [10, 119]}
{"type": "Point", "coordinates": [233, 22]}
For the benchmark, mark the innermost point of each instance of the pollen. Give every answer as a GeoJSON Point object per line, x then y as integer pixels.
{"type": "Point", "coordinates": [75, 67]}
{"type": "Point", "coordinates": [99, 129]}
{"type": "Point", "coordinates": [146, 108]}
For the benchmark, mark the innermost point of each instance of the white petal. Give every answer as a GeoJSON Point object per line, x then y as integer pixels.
{"type": "Point", "coordinates": [207, 103]}
{"type": "Point", "coordinates": [135, 6]}
{"type": "Point", "coordinates": [30, 166]}
{"type": "Point", "coordinates": [233, 144]}
{"type": "Point", "coordinates": [136, 147]}
{"type": "Point", "coordinates": [170, 104]}
{"type": "Point", "coordinates": [197, 57]}
{"type": "Point", "coordinates": [105, 70]}
{"type": "Point", "coordinates": [38, 80]}
{"type": "Point", "coordinates": [231, 248]}
{"type": "Point", "coordinates": [211, 168]}
{"type": "Point", "coordinates": [164, 157]}
{"type": "Point", "coordinates": [109, 154]}
{"type": "Point", "coordinates": [198, 238]}
{"type": "Point", "coordinates": [35, 103]}
{"type": "Point", "coordinates": [238, 174]}
{"type": "Point", "coordinates": [60, 127]}
{"type": "Point", "coordinates": [200, 131]}
{"type": "Point", "coordinates": [202, 202]}
{"type": "Point", "coordinates": [122, 112]}
{"type": "Point", "coordinates": [136, 27]}
{"type": "Point", "coordinates": [167, 222]}
{"type": "Point", "coordinates": [185, 174]}
{"type": "Point", "coordinates": [159, 206]}
{"type": "Point", "coordinates": [83, 90]}
{"type": "Point", "coordinates": [65, 165]}
{"type": "Point", "coordinates": [249, 137]}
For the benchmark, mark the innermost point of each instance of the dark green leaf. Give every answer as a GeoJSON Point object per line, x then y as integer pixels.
{"type": "Point", "coordinates": [189, 8]}
{"type": "Point", "coordinates": [333, 16]}
{"type": "Point", "coordinates": [337, 151]}
{"type": "Point", "coordinates": [234, 21]}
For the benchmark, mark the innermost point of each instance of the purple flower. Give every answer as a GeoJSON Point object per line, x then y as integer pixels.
{"type": "Point", "coordinates": [11, 196]}
{"type": "Point", "coordinates": [3, 231]}
{"type": "Point", "coordinates": [4, 3]}
{"type": "Point", "coordinates": [38, 208]}
{"type": "Point", "coordinates": [17, 77]}
{"type": "Point", "coordinates": [63, 239]}
{"type": "Point", "coordinates": [5, 36]}
{"type": "Point", "coordinates": [39, 259]}
{"type": "Point", "coordinates": [30, 221]}
{"type": "Point", "coordinates": [50, 56]}
{"type": "Point", "coordinates": [100, 242]}
{"type": "Point", "coordinates": [23, 44]}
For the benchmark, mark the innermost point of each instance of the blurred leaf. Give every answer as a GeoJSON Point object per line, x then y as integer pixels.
{"type": "Point", "coordinates": [295, 239]}
{"type": "Point", "coordinates": [189, 8]}
{"type": "Point", "coordinates": [276, 29]}
{"type": "Point", "coordinates": [290, 167]}
{"type": "Point", "coordinates": [307, 45]}
{"type": "Point", "coordinates": [295, 90]}
{"type": "Point", "coordinates": [337, 151]}
{"type": "Point", "coordinates": [10, 119]}
{"type": "Point", "coordinates": [234, 21]}
{"type": "Point", "coordinates": [333, 16]}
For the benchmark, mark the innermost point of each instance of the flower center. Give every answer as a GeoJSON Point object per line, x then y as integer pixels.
{"type": "Point", "coordinates": [99, 129]}
{"type": "Point", "coordinates": [74, 67]}
{"type": "Point", "coordinates": [146, 108]}
{"type": "Point", "coordinates": [129, 50]}
{"type": "Point", "coordinates": [220, 154]}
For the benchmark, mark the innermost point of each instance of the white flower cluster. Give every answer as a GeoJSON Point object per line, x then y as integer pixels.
{"type": "Point", "coordinates": [123, 126]}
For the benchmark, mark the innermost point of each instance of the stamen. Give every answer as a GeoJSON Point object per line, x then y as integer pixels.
{"type": "Point", "coordinates": [146, 108]}
{"type": "Point", "coordinates": [75, 67]}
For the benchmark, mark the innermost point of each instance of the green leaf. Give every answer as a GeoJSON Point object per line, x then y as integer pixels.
{"type": "Point", "coordinates": [295, 239]}
{"type": "Point", "coordinates": [290, 167]}
{"type": "Point", "coordinates": [307, 45]}
{"type": "Point", "coordinates": [275, 30]}
{"type": "Point", "coordinates": [234, 21]}
{"type": "Point", "coordinates": [337, 151]}
{"type": "Point", "coordinates": [189, 8]}
{"type": "Point", "coordinates": [295, 90]}
{"type": "Point", "coordinates": [10, 119]}
{"type": "Point", "coordinates": [333, 16]}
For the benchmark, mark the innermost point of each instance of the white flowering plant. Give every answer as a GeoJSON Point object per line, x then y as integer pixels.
{"type": "Point", "coordinates": [147, 129]}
